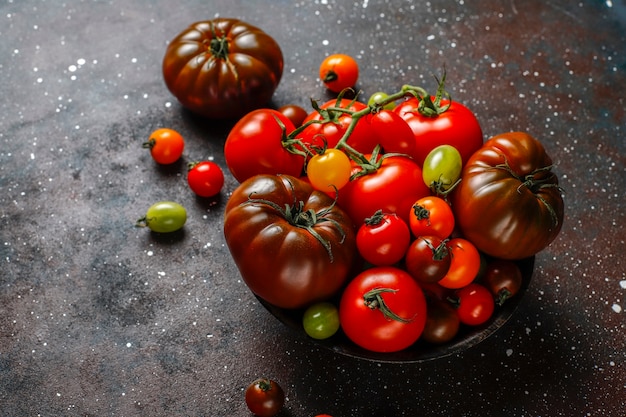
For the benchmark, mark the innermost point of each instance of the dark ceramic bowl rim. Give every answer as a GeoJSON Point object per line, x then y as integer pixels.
{"type": "Point", "coordinates": [420, 351]}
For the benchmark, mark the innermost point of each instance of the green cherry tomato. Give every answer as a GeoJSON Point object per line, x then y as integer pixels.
{"type": "Point", "coordinates": [329, 171]}
{"type": "Point", "coordinates": [442, 168]}
{"type": "Point", "coordinates": [321, 320]}
{"type": "Point", "coordinates": [378, 97]}
{"type": "Point", "coordinates": [164, 217]}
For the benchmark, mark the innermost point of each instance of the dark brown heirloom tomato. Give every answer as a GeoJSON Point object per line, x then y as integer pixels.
{"type": "Point", "coordinates": [222, 68]}
{"type": "Point", "coordinates": [508, 203]}
{"type": "Point", "coordinates": [292, 244]}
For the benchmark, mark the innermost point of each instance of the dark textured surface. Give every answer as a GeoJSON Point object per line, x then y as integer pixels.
{"type": "Point", "coordinates": [99, 318]}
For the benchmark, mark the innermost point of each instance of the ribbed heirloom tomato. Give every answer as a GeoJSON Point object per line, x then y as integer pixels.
{"type": "Point", "coordinates": [509, 203]}
{"type": "Point", "coordinates": [222, 68]}
{"type": "Point", "coordinates": [293, 246]}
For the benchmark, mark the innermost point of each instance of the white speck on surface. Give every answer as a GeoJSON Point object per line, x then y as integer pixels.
{"type": "Point", "coordinates": [509, 352]}
{"type": "Point", "coordinates": [617, 308]}
{"type": "Point", "coordinates": [129, 344]}
{"type": "Point", "coordinates": [150, 253]}
{"type": "Point", "coordinates": [622, 284]}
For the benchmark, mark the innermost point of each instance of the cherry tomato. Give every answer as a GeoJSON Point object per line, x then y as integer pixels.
{"type": "Point", "coordinates": [205, 178]}
{"type": "Point", "coordinates": [442, 168]}
{"type": "Point", "coordinates": [464, 264]}
{"type": "Point", "coordinates": [503, 278]}
{"type": "Point", "coordinates": [164, 217]}
{"type": "Point", "coordinates": [383, 239]}
{"type": "Point", "coordinates": [166, 146]}
{"type": "Point", "coordinates": [329, 171]}
{"type": "Point", "coordinates": [264, 397]}
{"type": "Point", "coordinates": [431, 216]}
{"type": "Point", "coordinates": [321, 320]}
{"type": "Point", "coordinates": [383, 309]}
{"type": "Point", "coordinates": [294, 113]}
{"type": "Point", "coordinates": [378, 97]}
{"type": "Point", "coordinates": [394, 134]}
{"type": "Point", "coordinates": [338, 72]}
{"type": "Point", "coordinates": [475, 304]}
{"type": "Point", "coordinates": [442, 322]}
{"type": "Point", "coordinates": [428, 259]}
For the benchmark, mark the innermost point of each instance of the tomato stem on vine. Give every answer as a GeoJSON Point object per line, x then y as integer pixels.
{"type": "Point", "coordinates": [374, 300]}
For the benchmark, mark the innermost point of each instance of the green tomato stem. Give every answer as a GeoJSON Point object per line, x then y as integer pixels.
{"type": "Point", "coordinates": [373, 299]}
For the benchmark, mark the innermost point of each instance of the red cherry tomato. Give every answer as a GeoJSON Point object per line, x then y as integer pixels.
{"type": "Point", "coordinates": [294, 113]}
{"type": "Point", "coordinates": [264, 397]}
{"type": "Point", "coordinates": [464, 264]}
{"type": "Point", "coordinates": [338, 72]}
{"type": "Point", "coordinates": [393, 132]}
{"type": "Point", "coordinates": [205, 178]}
{"type": "Point", "coordinates": [475, 304]}
{"type": "Point", "coordinates": [431, 216]}
{"type": "Point", "coordinates": [383, 309]}
{"type": "Point", "coordinates": [428, 259]}
{"type": "Point", "coordinates": [166, 146]}
{"type": "Point", "coordinates": [503, 278]}
{"type": "Point", "coordinates": [383, 239]}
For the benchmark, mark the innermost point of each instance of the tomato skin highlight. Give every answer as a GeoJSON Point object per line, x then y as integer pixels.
{"type": "Point", "coordinates": [370, 328]}
{"type": "Point", "coordinates": [222, 68]}
{"type": "Point", "coordinates": [508, 202]}
{"type": "Point", "coordinates": [282, 262]}
{"type": "Point", "coordinates": [255, 146]}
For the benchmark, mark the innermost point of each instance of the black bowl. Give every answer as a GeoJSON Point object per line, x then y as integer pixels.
{"type": "Point", "coordinates": [420, 351]}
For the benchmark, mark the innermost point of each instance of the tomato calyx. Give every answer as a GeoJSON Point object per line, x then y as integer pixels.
{"type": "Point", "coordinates": [431, 106]}
{"type": "Point", "coordinates": [377, 218]}
{"type": "Point", "coordinates": [295, 215]}
{"type": "Point", "coordinates": [440, 252]}
{"type": "Point", "coordinates": [373, 299]}
{"type": "Point", "coordinates": [264, 384]}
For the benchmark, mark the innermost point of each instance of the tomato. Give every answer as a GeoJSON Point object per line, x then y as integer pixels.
{"type": "Point", "coordinates": [383, 239]}
{"type": "Point", "coordinates": [294, 113]}
{"type": "Point", "coordinates": [222, 68]}
{"type": "Point", "coordinates": [509, 203]}
{"type": "Point", "coordinates": [338, 72]}
{"type": "Point", "coordinates": [388, 183]}
{"type": "Point", "coordinates": [257, 144]}
{"type": "Point", "coordinates": [475, 304]}
{"type": "Point", "coordinates": [293, 246]}
{"type": "Point", "coordinates": [383, 309]}
{"type": "Point", "coordinates": [205, 178]}
{"type": "Point", "coordinates": [442, 168]}
{"type": "Point", "coordinates": [327, 126]}
{"type": "Point", "coordinates": [464, 264]}
{"type": "Point", "coordinates": [431, 216]}
{"type": "Point", "coordinates": [394, 134]}
{"type": "Point", "coordinates": [503, 278]}
{"type": "Point", "coordinates": [164, 217]}
{"type": "Point", "coordinates": [166, 146]}
{"type": "Point", "coordinates": [378, 97]}
{"type": "Point", "coordinates": [264, 397]}
{"type": "Point", "coordinates": [427, 259]}
{"type": "Point", "coordinates": [456, 126]}
{"type": "Point", "coordinates": [329, 171]}
{"type": "Point", "coordinates": [321, 320]}
{"type": "Point", "coordinates": [442, 322]}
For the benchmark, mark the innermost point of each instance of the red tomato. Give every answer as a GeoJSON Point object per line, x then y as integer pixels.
{"type": "Point", "coordinates": [338, 72]}
{"type": "Point", "coordinates": [509, 203]}
{"type": "Point", "coordinates": [428, 259]}
{"type": "Point", "coordinates": [392, 187]}
{"type": "Point", "coordinates": [431, 216]}
{"type": "Point", "coordinates": [222, 68]}
{"type": "Point", "coordinates": [264, 397]}
{"type": "Point", "coordinates": [166, 146]}
{"type": "Point", "coordinates": [291, 243]}
{"type": "Point", "coordinates": [503, 278]}
{"type": "Point", "coordinates": [383, 310]}
{"type": "Point", "coordinates": [393, 132]}
{"type": "Point", "coordinates": [330, 126]}
{"type": "Point", "coordinates": [383, 239]}
{"type": "Point", "coordinates": [255, 146]}
{"type": "Point", "coordinates": [464, 264]}
{"type": "Point", "coordinates": [475, 304]}
{"type": "Point", "coordinates": [205, 178]}
{"type": "Point", "coordinates": [456, 126]}
{"type": "Point", "coordinates": [294, 113]}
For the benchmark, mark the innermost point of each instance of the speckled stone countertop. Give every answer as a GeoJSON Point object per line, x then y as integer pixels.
{"type": "Point", "coordinates": [98, 318]}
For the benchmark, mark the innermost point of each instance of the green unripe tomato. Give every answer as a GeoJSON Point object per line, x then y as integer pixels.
{"type": "Point", "coordinates": [164, 217]}
{"type": "Point", "coordinates": [321, 320]}
{"type": "Point", "coordinates": [442, 168]}
{"type": "Point", "coordinates": [378, 97]}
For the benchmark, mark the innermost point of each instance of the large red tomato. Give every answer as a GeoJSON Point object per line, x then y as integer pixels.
{"type": "Point", "coordinates": [292, 244]}
{"type": "Point", "coordinates": [222, 68]}
{"type": "Point", "coordinates": [508, 202]}
{"type": "Point", "coordinates": [392, 187]}
{"type": "Point", "coordinates": [457, 126]}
